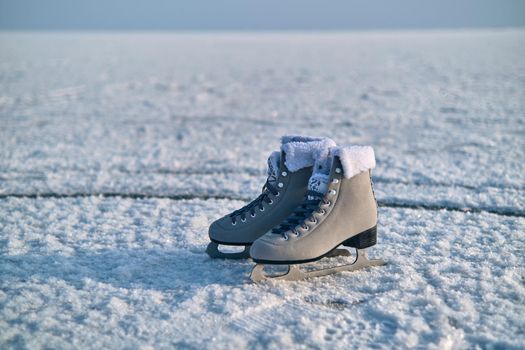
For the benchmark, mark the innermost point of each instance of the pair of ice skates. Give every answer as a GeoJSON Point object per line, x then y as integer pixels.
{"type": "Point", "coordinates": [317, 197]}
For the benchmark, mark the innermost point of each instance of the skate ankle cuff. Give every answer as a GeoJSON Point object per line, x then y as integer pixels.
{"type": "Point", "coordinates": [302, 151]}
{"type": "Point", "coordinates": [355, 159]}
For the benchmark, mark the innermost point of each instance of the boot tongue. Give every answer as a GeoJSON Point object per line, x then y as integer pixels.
{"type": "Point", "coordinates": [318, 183]}
{"type": "Point", "coordinates": [273, 167]}
{"type": "Point", "coordinates": [320, 178]}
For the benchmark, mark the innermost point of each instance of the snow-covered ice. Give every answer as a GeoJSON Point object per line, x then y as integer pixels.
{"type": "Point", "coordinates": [118, 150]}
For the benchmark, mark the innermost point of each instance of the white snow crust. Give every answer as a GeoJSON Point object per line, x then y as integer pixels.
{"type": "Point", "coordinates": [118, 150]}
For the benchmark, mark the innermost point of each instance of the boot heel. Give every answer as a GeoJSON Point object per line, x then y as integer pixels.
{"type": "Point", "coordinates": [363, 240]}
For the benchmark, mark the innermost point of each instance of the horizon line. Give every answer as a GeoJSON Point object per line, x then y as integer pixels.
{"type": "Point", "coordinates": [262, 30]}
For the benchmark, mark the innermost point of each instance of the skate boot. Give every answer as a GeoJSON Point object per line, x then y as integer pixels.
{"type": "Point", "coordinates": [339, 210]}
{"type": "Point", "coordinates": [285, 188]}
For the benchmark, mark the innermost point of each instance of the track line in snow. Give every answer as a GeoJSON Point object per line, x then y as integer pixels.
{"type": "Point", "coordinates": [382, 203]}
{"type": "Point", "coordinates": [452, 207]}
{"type": "Point", "coordinates": [258, 172]}
{"type": "Point", "coordinates": [175, 197]}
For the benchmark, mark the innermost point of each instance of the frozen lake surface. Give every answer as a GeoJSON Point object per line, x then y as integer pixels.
{"type": "Point", "coordinates": [118, 150]}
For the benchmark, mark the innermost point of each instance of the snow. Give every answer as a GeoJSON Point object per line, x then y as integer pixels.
{"type": "Point", "coordinates": [118, 150]}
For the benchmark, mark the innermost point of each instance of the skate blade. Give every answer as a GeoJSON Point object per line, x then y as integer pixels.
{"type": "Point", "coordinates": [294, 273]}
{"type": "Point", "coordinates": [213, 251]}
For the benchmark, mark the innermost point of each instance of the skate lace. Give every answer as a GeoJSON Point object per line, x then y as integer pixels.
{"type": "Point", "coordinates": [257, 202]}
{"type": "Point", "coordinates": [301, 213]}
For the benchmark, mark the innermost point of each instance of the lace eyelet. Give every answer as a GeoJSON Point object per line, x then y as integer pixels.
{"type": "Point", "coordinates": [261, 208]}
{"type": "Point", "coordinates": [334, 181]}
{"type": "Point", "coordinates": [323, 212]}
{"type": "Point", "coordinates": [314, 221]}
{"type": "Point", "coordinates": [270, 202]}
{"type": "Point", "coordinates": [333, 192]}
{"type": "Point", "coordinates": [305, 227]}
{"type": "Point", "coordinates": [329, 203]}
{"type": "Point", "coordinates": [280, 185]}
{"type": "Point", "coordinates": [278, 193]}
{"type": "Point", "coordinates": [234, 223]}
{"type": "Point", "coordinates": [284, 173]}
{"type": "Point", "coordinates": [338, 170]}
{"type": "Point", "coordinates": [296, 233]}
{"type": "Point", "coordinates": [243, 219]}
{"type": "Point", "coordinates": [285, 237]}
{"type": "Point", "coordinates": [252, 215]}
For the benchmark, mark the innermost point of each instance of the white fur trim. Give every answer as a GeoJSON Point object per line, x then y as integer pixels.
{"type": "Point", "coordinates": [355, 159]}
{"type": "Point", "coordinates": [302, 151]}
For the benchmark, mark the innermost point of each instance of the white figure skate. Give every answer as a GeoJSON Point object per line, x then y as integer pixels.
{"type": "Point", "coordinates": [343, 214]}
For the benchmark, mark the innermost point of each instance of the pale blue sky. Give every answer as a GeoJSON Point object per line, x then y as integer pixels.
{"type": "Point", "coordinates": [258, 15]}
